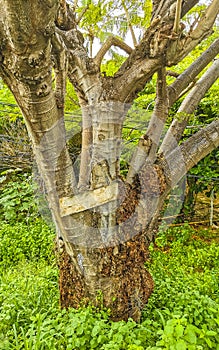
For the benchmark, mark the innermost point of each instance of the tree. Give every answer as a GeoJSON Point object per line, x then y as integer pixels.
{"type": "Point", "coordinates": [105, 222]}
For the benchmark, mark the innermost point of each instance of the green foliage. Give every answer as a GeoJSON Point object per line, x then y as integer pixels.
{"type": "Point", "coordinates": [26, 292]}
{"type": "Point", "coordinates": [9, 111]}
{"type": "Point", "coordinates": [101, 19]}
{"type": "Point", "coordinates": [110, 67]}
{"type": "Point", "coordinates": [17, 196]}
{"type": "Point", "coordinates": [179, 334]}
{"type": "Point", "coordinates": [93, 16]}
{"type": "Point", "coordinates": [186, 298]}
{"type": "Point", "coordinates": [182, 313]}
{"type": "Point", "coordinates": [71, 99]}
{"type": "Point", "coordinates": [20, 242]}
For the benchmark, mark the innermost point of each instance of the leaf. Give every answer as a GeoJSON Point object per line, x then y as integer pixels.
{"type": "Point", "coordinates": [211, 333]}
{"type": "Point", "coordinates": [191, 337]}
{"type": "Point", "coordinates": [95, 330]}
{"type": "Point", "coordinates": [181, 345]}
{"type": "Point", "coordinates": [208, 341]}
{"type": "Point", "coordinates": [118, 338]}
{"type": "Point", "coordinates": [179, 330]}
{"type": "Point", "coordinates": [169, 330]}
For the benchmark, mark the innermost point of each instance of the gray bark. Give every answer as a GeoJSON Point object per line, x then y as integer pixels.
{"type": "Point", "coordinates": [187, 107]}
{"type": "Point", "coordinates": [190, 152]}
{"type": "Point", "coordinates": [189, 75]}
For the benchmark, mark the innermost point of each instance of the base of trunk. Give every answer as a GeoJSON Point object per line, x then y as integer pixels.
{"type": "Point", "coordinates": [122, 282]}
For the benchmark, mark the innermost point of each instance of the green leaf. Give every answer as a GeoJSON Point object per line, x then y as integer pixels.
{"type": "Point", "coordinates": [211, 333]}
{"type": "Point", "coordinates": [191, 337]}
{"type": "Point", "coordinates": [181, 345]}
{"type": "Point", "coordinates": [169, 330]}
{"type": "Point", "coordinates": [179, 329]}
{"type": "Point", "coordinates": [208, 341]}
{"type": "Point", "coordinates": [95, 330]}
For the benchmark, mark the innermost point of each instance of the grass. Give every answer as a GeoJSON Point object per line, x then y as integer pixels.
{"type": "Point", "coordinates": [182, 313]}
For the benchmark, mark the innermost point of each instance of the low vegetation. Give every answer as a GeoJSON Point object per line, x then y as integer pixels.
{"type": "Point", "coordinates": [182, 313]}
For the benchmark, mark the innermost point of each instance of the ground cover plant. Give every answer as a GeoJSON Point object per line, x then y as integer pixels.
{"type": "Point", "coordinates": [37, 56]}
{"type": "Point", "coordinates": [182, 313]}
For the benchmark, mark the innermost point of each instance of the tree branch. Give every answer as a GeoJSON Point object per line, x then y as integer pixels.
{"type": "Point", "coordinates": [188, 106]}
{"type": "Point", "coordinates": [187, 6]}
{"type": "Point", "coordinates": [201, 31]}
{"type": "Point", "coordinates": [129, 24]}
{"type": "Point", "coordinates": [148, 144]}
{"type": "Point", "coordinates": [79, 18]}
{"type": "Point", "coordinates": [65, 18]}
{"type": "Point", "coordinates": [160, 7]}
{"type": "Point", "coordinates": [177, 16]}
{"type": "Point", "coordinates": [82, 71]}
{"type": "Point", "coordinates": [189, 87]}
{"type": "Point", "coordinates": [111, 41]}
{"type": "Point", "coordinates": [61, 68]}
{"type": "Point", "coordinates": [158, 47]}
{"type": "Point", "coordinates": [177, 163]}
{"type": "Point", "coordinates": [188, 76]}
{"type": "Point", "coordinates": [190, 152]}
{"type": "Point", "coordinates": [172, 74]}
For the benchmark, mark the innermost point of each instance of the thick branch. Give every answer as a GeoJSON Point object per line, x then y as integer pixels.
{"type": "Point", "coordinates": [161, 7]}
{"type": "Point", "coordinates": [134, 79]}
{"type": "Point", "coordinates": [187, 6]}
{"type": "Point", "coordinates": [158, 45]}
{"type": "Point", "coordinates": [148, 144]}
{"type": "Point", "coordinates": [82, 71]}
{"type": "Point", "coordinates": [188, 76]}
{"type": "Point", "coordinates": [60, 58]}
{"type": "Point", "coordinates": [201, 31]}
{"type": "Point", "coordinates": [111, 41]}
{"type": "Point", "coordinates": [22, 19]}
{"type": "Point", "coordinates": [190, 152]}
{"type": "Point", "coordinates": [66, 18]}
{"type": "Point", "coordinates": [183, 158]}
{"type": "Point", "coordinates": [188, 107]}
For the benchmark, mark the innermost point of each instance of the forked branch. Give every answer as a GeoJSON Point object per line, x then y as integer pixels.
{"type": "Point", "coordinates": [157, 43]}
{"type": "Point", "coordinates": [201, 31]}
{"type": "Point", "coordinates": [111, 41]}
{"type": "Point", "coordinates": [188, 107]}
{"type": "Point", "coordinates": [189, 75]}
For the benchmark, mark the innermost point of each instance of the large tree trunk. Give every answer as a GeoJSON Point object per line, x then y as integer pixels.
{"type": "Point", "coordinates": [105, 243]}
{"type": "Point", "coordinates": [108, 226]}
{"type": "Point", "coordinates": [121, 281]}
